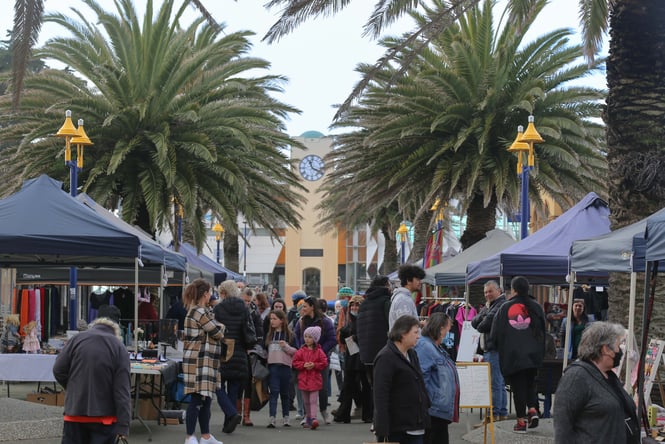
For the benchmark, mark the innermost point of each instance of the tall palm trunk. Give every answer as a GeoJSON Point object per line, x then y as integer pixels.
{"type": "Point", "coordinates": [390, 255]}
{"type": "Point", "coordinates": [479, 220]}
{"type": "Point", "coordinates": [635, 120]}
{"type": "Point", "coordinates": [231, 252]}
{"type": "Point", "coordinates": [421, 235]}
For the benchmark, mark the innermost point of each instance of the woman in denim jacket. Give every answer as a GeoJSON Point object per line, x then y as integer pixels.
{"type": "Point", "coordinates": [440, 375]}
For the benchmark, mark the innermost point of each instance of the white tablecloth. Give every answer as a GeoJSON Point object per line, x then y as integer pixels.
{"type": "Point", "coordinates": [24, 367]}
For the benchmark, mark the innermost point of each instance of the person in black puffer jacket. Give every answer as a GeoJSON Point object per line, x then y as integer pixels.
{"type": "Point", "coordinates": [232, 312]}
{"type": "Point", "coordinates": [401, 401]}
{"type": "Point", "coordinates": [372, 331]}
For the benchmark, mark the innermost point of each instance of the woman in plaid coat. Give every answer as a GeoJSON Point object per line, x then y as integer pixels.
{"type": "Point", "coordinates": [201, 359]}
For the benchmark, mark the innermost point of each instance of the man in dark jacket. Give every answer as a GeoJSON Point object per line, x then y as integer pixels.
{"type": "Point", "coordinates": [98, 400]}
{"type": "Point", "coordinates": [483, 323]}
{"type": "Point", "coordinates": [232, 312]}
{"type": "Point", "coordinates": [372, 331]}
{"type": "Point", "coordinates": [518, 332]}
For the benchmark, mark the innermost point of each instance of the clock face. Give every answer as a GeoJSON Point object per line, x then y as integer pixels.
{"type": "Point", "coordinates": [311, 167]}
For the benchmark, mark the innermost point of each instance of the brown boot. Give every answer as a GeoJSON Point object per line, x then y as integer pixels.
{"type": "Point", "coordinates": [245, 414]}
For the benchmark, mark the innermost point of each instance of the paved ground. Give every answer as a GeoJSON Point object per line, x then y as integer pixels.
{"type": "Point", "coordinates": [23, 422]}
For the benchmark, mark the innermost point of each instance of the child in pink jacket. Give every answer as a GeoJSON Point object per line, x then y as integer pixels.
{"type": "Point", "coordinates": [310, 361]}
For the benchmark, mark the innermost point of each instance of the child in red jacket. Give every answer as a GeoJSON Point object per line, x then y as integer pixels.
{"type": "Point", "coordinates": [310, 361]}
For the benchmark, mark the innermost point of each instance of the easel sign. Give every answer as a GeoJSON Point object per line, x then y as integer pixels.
{"type": "Point", "coordinates": [475, 382]}
{"type": "Point", "coordinates": [468, 343]}
{"type": "Point", "coordinates": [654, 355]}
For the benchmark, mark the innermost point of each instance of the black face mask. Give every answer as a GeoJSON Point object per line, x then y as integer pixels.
{"type": "Point", "coordinates": [617, 358]}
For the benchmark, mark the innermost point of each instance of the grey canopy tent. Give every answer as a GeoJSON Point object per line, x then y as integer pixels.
{"type": "Point", "coordinates": [622, 250]}
{"type": "Point", "coordinates": [453, 271]}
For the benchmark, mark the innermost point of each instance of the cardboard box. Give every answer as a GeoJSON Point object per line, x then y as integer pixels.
{"type": "Point", "coordinates": [147, 409]}
{"type": "Point", "coordinates": [57, 399]}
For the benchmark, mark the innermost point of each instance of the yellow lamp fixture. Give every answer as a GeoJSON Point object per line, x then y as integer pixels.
{"type": "Point", "coordinates": [531, 136]}
{"type": "Point", "coordinates": [402, 230]}
{"type": "Point", "coordinates": [81, 140]}
{"type": "Point", "coordinates": [67, 130]}
{"type": "Point", "coordinates": [218, 230]}
{"type": "Point", "coordinates": [519, 147]}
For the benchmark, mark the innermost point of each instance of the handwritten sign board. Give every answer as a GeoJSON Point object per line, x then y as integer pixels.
{"type": "Point", "coordinates": [468, 343]}
{"type": "Point", "coordinates": [475, 384]}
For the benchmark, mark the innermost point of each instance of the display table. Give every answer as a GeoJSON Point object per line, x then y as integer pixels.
{"type": "Point", "coordinates": [21, 367]}
{"type": "Point", "coordinates": [146, 385]}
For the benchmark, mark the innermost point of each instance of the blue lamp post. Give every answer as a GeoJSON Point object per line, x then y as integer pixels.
{"type": "Point", "coordinates": [218, 230]}
{"type": "Point", "coordinates": [403, 230]}
{"type": "Point", "coordinates": [523, 146]}
{"type": "Point", "coordinates": [78, 137]}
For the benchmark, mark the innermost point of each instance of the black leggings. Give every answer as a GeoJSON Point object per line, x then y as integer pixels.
{"type": "Point", "coordinates": [525, 391]}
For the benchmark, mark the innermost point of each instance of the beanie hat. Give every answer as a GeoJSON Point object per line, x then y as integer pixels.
{"type": "Point", "coordinates": [314, 333]}
{"type": "Point", "coordinates": [298, 295]}
{"type": "Point", "coordinates": [110, 312]}
{"type": "Point", "coordinates": [345, 292]}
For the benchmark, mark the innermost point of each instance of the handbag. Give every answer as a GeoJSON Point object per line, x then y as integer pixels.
{"type": "Point", "coordinates": [259, 371]}
{"type": "Point", "coordinates": [228, 346]}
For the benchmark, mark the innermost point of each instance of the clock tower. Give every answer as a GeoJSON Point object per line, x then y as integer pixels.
{"type": "Point", "coordinates": [311, 258]}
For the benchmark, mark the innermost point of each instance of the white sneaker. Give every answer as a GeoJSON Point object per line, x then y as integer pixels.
{"type": "Point", "coordinates": [210, 440]}
{"type": "Point", "coordinates": [271, 424]}
{"type": "Point", "coordinates": [287, 422]}
{"type": "Point", "coordinates": [326, 417]}
{"type": "Point", "coordinates": [299, 416]}
{"type": "Point", "coordinates": [304, 421]}
{"type": "Point", "coordinates": [191, 440]}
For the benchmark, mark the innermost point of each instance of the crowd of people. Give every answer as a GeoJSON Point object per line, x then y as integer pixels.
{"type": "Point", "coordinates": [393, 365]}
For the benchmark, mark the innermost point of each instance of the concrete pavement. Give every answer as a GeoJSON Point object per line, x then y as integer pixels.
{"type": "Point", "coordinates": [23, 422]}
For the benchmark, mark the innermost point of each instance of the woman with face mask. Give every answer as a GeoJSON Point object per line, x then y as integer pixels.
{"type": "Point", "coordinates": [355, 383]}
{"type": "Point", "coordinates": [591, 404]}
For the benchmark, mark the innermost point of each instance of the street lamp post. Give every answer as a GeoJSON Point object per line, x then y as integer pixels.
{"type": "Point", "coordinates": [523, 146]}
{"type": "Point", "coordinates": [402, 230]}
{"type": "Point", "coordinates": [78, 137]}
{"type": "Point", "coordinates": [219, 230]}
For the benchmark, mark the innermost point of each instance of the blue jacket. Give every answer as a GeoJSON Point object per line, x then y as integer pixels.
{"type": "Point", "coordinates": [441, 379]}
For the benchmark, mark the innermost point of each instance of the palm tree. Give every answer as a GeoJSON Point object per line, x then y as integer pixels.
{"type": "Point", "coordinates": [633, 116]}
{"type": "Point", "coordinates": [28, 18]}
{"type": "Point", "coordinates": [173, 116]}
{"type": "Point", "coordinates": [441, 131]}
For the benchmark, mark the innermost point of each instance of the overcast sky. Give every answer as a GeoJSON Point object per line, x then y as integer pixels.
{"type": "Point", "coordinates": [319, 58]}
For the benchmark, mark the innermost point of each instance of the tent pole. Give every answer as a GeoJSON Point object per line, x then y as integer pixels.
{"type": "Point", "coordinates": [631, 328]}
{"type": "Point", "coordinates": [566, 346]}
{"type": "Point", "coordinates": [136, 305]}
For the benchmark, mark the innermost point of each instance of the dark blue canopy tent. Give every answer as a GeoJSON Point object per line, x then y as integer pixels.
{"type": "Point", "coordinates": [160, 265]}
{"type": "Point", "coordinates": [43, 225]}
{"type": "Point", "coordinates": [201, 266]}
{"type": "Point", "coordinates": [543, 256]}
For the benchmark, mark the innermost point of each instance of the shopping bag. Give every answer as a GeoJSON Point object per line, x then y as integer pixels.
{"type": "Point", "coordinates": [334, 362]}
{"type": "Point", "coordinates": [260, 395]}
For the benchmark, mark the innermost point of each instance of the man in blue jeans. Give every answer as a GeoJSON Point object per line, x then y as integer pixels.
{"type": "Point", "coordinates": [483, 323]}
